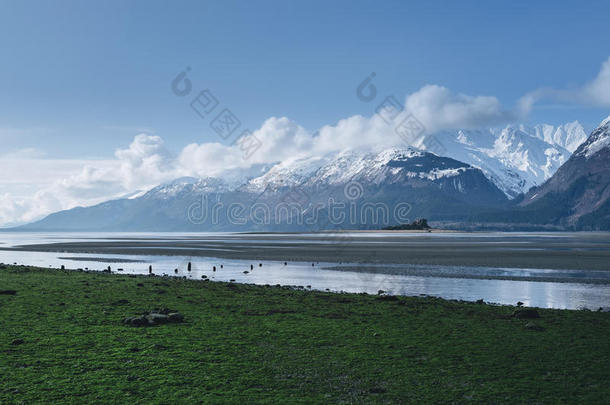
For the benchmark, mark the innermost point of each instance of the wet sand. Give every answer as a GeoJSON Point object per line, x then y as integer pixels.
{"type": "Point", "coordinates": [576, 251]}
{"type": "Point", "coordinates": [101, 259]}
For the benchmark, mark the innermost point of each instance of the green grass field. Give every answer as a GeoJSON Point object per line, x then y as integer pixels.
{"type": "Point", "coordinates": [62, 340]}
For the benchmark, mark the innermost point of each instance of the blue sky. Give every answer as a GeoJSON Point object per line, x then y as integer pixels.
{"type": "Point", "coordinates": [80, 80]}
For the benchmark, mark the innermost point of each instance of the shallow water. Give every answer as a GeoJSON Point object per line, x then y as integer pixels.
{"type": "Point", "coordinates": [450, 282]}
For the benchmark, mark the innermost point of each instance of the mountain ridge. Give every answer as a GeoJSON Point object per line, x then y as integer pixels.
{"type": "Point", "coordinates": [582, 183]}
{"type": "Point", "coordinates": [426, 184]}
{"type": "Point", "coordinates": [515, 157]}
{"type": "Point", "coordinates": [440, 188]}
{"type": "Point", "coordinates": [576, 197]}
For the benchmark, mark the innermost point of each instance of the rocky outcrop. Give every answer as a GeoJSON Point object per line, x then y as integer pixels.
{"type": "Point", "coordinates": [154, 318]}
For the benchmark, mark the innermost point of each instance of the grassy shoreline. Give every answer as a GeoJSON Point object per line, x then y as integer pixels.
{"type": "Point", "coordinates": [63, 341]}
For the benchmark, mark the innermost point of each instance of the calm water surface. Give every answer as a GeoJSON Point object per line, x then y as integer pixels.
{"type": "Point", "coordinates": [450, 282]}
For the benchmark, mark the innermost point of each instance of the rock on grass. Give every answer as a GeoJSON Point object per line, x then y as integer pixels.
{"type": "Point", "coordinates": [532, 326]}
{"type": "Point", "coordinates": [154, 318]}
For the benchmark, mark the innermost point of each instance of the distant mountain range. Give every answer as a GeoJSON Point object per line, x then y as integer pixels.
{"type": "Point", "coordinates": [578, 194]}
{"type": "Point", "coordinates": [576, 197]}
{"type": "Point", "coordinates": [515, 158]}
{"type": "Point", "coordinates": [503, 177]}
{"type": "Point", "coordinates": [353, 190]}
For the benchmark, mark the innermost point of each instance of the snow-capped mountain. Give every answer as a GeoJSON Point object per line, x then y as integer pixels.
{"type": "Point", "coordinates": [187, 185]}
{"type": "Point", "coordinates": [388, 166]}
{"type": "Point", "coordinates": [285, 174]}
{"type": "Point", "coordinates": [599, 140]}
{"type": "Point", "coordinates": [515, 158]}
{"type": "Point", "coordinates": [365, 167]}
{"type": "Point", "coordinates": [374, 185]}
{"type": "Point", "coordinates": [371, 169]}
{"type": "Point", "coordinates": [577, 196]}
{"type": "Point", "coordinates": [329, 170]}
{"type": "Point", "coordinates": [477, 172]}
{"type": "Point", "coordinates": [569, 136]}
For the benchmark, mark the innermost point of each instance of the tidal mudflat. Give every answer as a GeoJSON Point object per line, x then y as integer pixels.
{"type": "Point", "coordinates": [553, 270]}
{"type": "Point", "coordinates": [584, 251]}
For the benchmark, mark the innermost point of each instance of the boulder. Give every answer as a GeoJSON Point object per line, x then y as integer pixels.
{"type": "Point", "coordinates": [532, 326]}
{"type": "Point", "coordinates": [136, 321]}
{"type": "Point", "coordinates": [175, 317]}
{"type": "Point", "coordinates": [155, 317]}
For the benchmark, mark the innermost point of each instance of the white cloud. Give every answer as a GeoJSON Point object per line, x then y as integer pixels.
{"type": "Point", "coordinates": [438, 108]}
{"type": "Point", "coordinates": [279, 139]}
{"type": "Point", "coordinates": [146, 162]}
{"type": "Point", "coordinates": [595, 93]}
{"type": "Point", "coordinates": [33, 187]}
{"type": "Point", "coordinates": [47, 186]}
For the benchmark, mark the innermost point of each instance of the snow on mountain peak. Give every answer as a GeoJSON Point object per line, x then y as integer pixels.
{"type": "Point", "coordinates": [599, 139]}
{"type": "Point", "coordinates": [182, 184]}
{"type": "Point", "coordinates": [285, 174]}
{"type": "Point", "coordinates": [182, 181]}
{"type": "Point", "coordinates": [568, 136]}
{"type": "Point", "coordinates": [389, 164]}
{"type": "Point", "coordinates": [388, 155]}
{"type": "Point", "coordinates": [515, 158]}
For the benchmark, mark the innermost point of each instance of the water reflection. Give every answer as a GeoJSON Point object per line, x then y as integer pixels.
{"type": "Point", "coordinates": [533, 293]}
